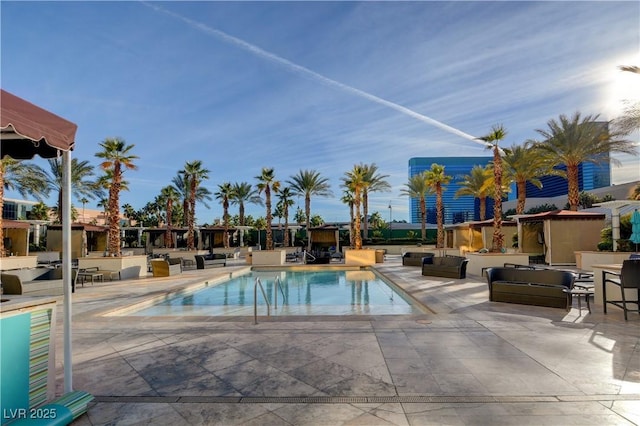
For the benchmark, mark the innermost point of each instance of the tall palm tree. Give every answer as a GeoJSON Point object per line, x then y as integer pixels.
{"type": "Point", "coordinates": [418, 187]}
{"type": "Point", "coordinates": [347, 198]}
{"type": "Point", "coordinates": [82, 184]}
{"type": "Point", "coordinates": [307, 183]}
{"type": "Point", "coordinates": [267, 183]}
{"type": "Point", "coordinates": [244, 192]}
{"type": "Point", "coordinates": [40, 211]}
{"type": "Point", "coordinates": [284, 202]}
{"type": "Point", "coordinates": [193, 175]}
{"type": "Point", "coordinates": [116, 158]}
{"type": "Point", "coordinates": [570, 141]}
{"type": "Point", "coordinates": [523, 163]}
{"type": "Point", "coordinates": [224, 194]}
{"type": "Point", "coordinates": [354, 181]}
{"type": "Point", "coordinates": [476, 184]}
{"type": "Point", "coordinates": [24, 177]}
{"type": "Point", "coordinates": [435, 179]}
{"type": "Point", "coordinates": [374, 182]}
{"type": "Point", "coordinates": [498, 132]}
{"type": "Point", "coordinates": [169, 196]}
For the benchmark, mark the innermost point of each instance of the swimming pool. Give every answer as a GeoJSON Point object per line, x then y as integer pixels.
{"type": "Point", "coordinates": [301, 292]}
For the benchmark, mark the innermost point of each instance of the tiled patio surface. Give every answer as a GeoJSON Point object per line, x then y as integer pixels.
{"type": "Point", "coordinates": [470, 362]}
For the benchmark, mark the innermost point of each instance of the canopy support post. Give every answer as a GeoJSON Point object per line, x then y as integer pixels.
{"type": "Point", "coordinates": [66, 267]}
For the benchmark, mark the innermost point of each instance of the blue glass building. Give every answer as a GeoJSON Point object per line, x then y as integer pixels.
{"type": "Point", "coordinates": [456, 210]}
{"type": "Point", "coordinates": [590, 176]}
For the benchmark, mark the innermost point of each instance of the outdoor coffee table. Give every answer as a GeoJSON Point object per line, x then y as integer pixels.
{"type": "Point", "coordinates": [582, 289]}
{"type": "Point", "coordinates": [93, 275]}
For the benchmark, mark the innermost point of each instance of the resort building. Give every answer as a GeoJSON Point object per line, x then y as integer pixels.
{"type": "Point", "coordinates": [456, 210]}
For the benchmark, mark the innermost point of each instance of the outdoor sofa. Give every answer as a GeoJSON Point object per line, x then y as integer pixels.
{"type": "Point", "coordinates": [447, 267]}
{"type": "Point", "coordinates": [35, 281]}
{"type": "Point", "coordinates": [540, 287]}
{"type": "Point", "coordinates": [213, 259]}
{"type": "Point", "coordinates": [166, 267]}
{"type": "Point", "coordinates": [413, 258]}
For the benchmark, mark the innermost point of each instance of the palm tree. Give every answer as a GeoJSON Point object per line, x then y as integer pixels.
{"type": "Point", "coordinates": [244, 193]}
{"type": "Point", "coordinates": [634, 193]}
{"type": "Point", "coordinates": [523, 163]}
{"type": "Point", "coordinates": [498, 132]}
{"type": "Point", "coordinates": [84, 202]}
{"type": "Point", "coordinates": [284, 202]}
{"type": "Point", "coordinates": [354, 181]}
{"type": "Point", "coordinates": [307, 183]}
{"type": "Point", "coordinates": [26, 178]}
{"type": "Point", "coordinates": [116, 158]}
{"type": "Point", "coordinates": [347, 198]}
{"type": "Point", "coordinates": [224, 194]}
{"type": "Point", "coordinates": [81, 182]}
{"type": "Point", "coordinates": [193, 175]}
{"type": "Point", "coordinates": [435, 178]}
{"type": "Point", "coordinates": [418, 187]}
{"type": "Point", "coordinates": [266, 183]}
{"type": "Point", "coordinates": [570, 141]}
{"type": "Point", "coordinates": [476, 184]}
{"type": "Point", "coordinates": [374, 182]}
{"type": "Point", "coordinates": [168, 196]}
{"type": "Point", "coordinates": [40, 211]}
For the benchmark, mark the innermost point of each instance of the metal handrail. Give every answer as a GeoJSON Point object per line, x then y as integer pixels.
{"type": "Point", "coordinates": [255, 300]}
{"type": "Point", "coordinates": [307, 254]}
{"type": "Point", "coordinates": [278, 284]}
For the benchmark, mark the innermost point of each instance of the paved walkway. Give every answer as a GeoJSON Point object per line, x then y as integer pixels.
{"type": "Point", "coordinates": [470, 362]}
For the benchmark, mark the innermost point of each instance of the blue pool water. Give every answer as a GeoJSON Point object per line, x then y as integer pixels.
{"type": "Point", "coordinates": [330, 292]}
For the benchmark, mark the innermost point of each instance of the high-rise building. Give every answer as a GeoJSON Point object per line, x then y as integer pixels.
{"type": "Point", "coordinates": [456, 210]}
{"type": "Point", "coordinates": [590, 176]}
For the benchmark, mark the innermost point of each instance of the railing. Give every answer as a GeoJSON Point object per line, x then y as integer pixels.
{"type": "Point", "coordinates": [255, 300]}
{"type": "Point", "coordinates": [278, 284]}
{"type": "Point", "coordinates": [306, 255]}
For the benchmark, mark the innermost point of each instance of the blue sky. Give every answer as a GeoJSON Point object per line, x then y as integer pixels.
{"type": "Point", "coordinates": [315, 85]}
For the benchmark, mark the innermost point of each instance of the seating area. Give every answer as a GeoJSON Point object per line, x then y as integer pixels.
{"type": "Point", "coordinates": [210, 260]}
{"type": "Point", "coordinates": [539, 287]}
{"type": "Point", "coordinates": [39, 281]}
{"type": "Point", "coordinates": [415, 258]}
{"type": "Point", "coordinates": [447, 267]}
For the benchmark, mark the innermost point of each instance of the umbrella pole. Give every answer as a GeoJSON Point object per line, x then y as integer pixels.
{"type": "Point", "coordinates": [66, 266]}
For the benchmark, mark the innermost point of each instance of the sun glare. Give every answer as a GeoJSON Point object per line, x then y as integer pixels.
{"type": "Point", "coordinates": [622, 87]}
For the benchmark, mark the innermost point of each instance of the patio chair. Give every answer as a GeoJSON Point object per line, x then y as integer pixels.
{"type": "Point", "coordinates": [628, 278]}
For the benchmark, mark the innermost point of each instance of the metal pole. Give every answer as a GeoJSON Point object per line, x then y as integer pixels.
{"type": "Point", "coordinates": [66, 267]}
{"type": "Point", "coordinates": [390, 219]}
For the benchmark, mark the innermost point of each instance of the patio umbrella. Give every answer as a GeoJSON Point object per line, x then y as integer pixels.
{"type": "Point", "coordinates": [635, 228]}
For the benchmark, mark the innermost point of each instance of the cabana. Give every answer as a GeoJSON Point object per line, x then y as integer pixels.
{"type": "Point", "coordinates": [27, 130]}
{"type": "Point", "coordinates": [85, 238]}
{"type": "Point", "coordinates": [16, 237]}
{"type": "Point", "coordinates": [562, 233]}
{"type": "Point", "coordinates": [474, 236]}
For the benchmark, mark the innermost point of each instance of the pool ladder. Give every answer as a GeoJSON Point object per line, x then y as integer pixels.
{"type": "Point", "coordinates": [258, 283]}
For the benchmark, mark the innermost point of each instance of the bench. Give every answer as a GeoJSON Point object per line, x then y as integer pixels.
{"type": "Point", "coordinates": [61, 411]}
{"type": "Point", "coordinates": [166, 267]}
{"type": "Point", "coordinates": [447, 267]}
{"type": "Point", "coordinates": [35, 281]}
{"type": "Point", "coordinates": [539, 287]}
{"type": "Point", "coordinates": [215, 259]}
{"type": "Point", "coordinates": [412, 258]}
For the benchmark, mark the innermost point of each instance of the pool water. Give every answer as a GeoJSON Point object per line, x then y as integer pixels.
{"type": "Point", "coordinates": [331, 292]}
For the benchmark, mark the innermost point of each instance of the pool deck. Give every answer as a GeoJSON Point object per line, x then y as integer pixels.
{"type": "Point", "coordinates": [470, 362]}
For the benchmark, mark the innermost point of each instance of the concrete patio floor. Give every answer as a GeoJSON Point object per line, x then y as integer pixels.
{"type": "Point", "coordinates": [469, 362]}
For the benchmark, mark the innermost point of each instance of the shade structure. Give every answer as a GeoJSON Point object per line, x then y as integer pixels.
{"type": "Point", "coordinates": [635, 227]}
{"type": "Point", "coordinates": [27, 130]}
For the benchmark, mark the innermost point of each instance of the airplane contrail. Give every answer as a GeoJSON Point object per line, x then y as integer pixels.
{"type": "Point", "coordinates": [306, 71]}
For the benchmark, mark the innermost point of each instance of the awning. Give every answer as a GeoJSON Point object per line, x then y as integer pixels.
{"type": "Point", "coordinates": [27, 130]}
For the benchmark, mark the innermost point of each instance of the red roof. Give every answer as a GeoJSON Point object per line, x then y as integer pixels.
{"type": "Point", "coordinates": [28, 130]}
{"type": "Point", "coordinates": [15, 224]}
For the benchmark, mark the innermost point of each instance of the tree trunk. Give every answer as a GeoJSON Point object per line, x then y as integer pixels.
{"type": "Point", "coordinates": [498, 236]}
{"type": "Point", "coordinates": [114, 210]}
{"type": "Point", "coordinates": [357, 239]}
{"type": "Point", "coordinates": [574, 190]}
{"type": "Point", "coordinates": [439, 217]}
{"type": "Point", "coordinates": [167, 235]}
{"type": "Point", "coordinates": [191, 241]}
{"type": "Point", "coordinates": [483, 208]}
{"type": "Point", "coordinates": [522, 196]}
{"type": "Point", "coordinates": [307, 212]}
{"type": "Point", "coordinates": [423, 219]}
{"type": "Point", "coordinates": [267, 196]}
{"type": "Point", "coordinates": [365, 212]}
